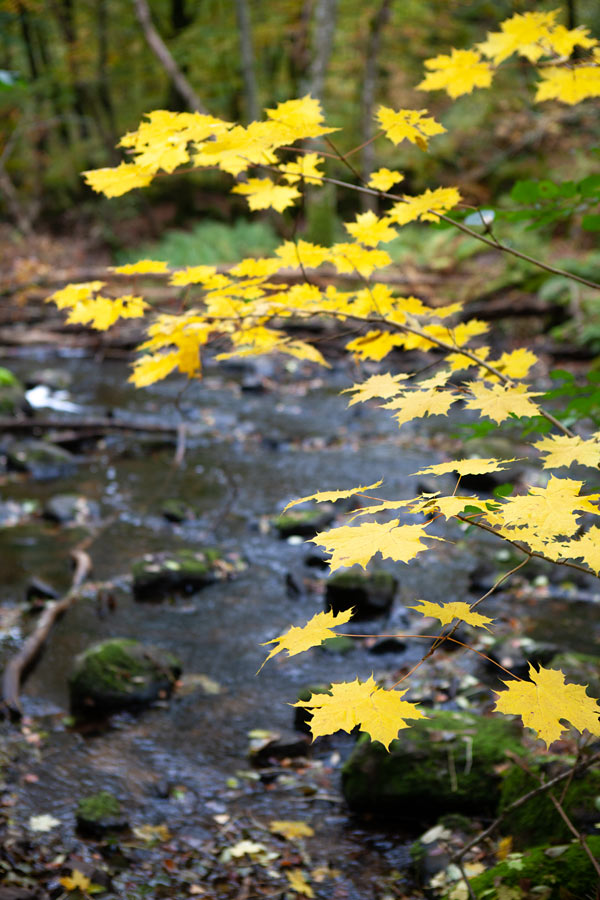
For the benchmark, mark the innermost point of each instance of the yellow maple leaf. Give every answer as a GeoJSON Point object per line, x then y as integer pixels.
{"type": "Point", "coordinates": [383, 179]}
{"type": "Point", "coordinates": [262, 193]}
{"type": "Point", "coordinates": [303, 168]}
{"type": "Point", "coordinates": [500, 401]}
{"type": "Point", "coordinates": [332, 496]}
{"type": "Point", "coordinates": [370, 230]}
{"type": "Point", "coordinates": [291, 829]}
{"type": "Point", "coordinates": [379, 712]}
{"type": "Point", "coordinates": [354, 258]}
{"type": "Point", "coordinates": [564, 40]}
{"type": "Point", "coordinates": [74, 293]}
{"type": "Point", "coordinates": [375, 344]}
{"type": "Point", "coordinates": [564, 450]}
{"type": "Point", "coordinates": [153, 367]}
{"type": "Point", "coordinates": [418, 404]}
{"type": "Point", "coordinates": [515, 364]}
{"type": "Point", "coordinates": [448, 506]}
{"type": "Point", "coordinates": [427, 206]}
{"type": "Point", "coordinates": [300, 638]}
{"type": "Point", "coordinates": [195, 275]}
{"type": "Point", "coordinates": [465, 467]}
{"type": "Point", "coordinates": [301, 253]}
{"type": "Point", "coordinates": [569, 85]}
{"type": "Point", "coordinates": [548, 511]}
{"type": "Point", "coordinates": [142, 267]}
{"type": "Point", "coordinates": [119, 180]}
{"type": "Point", "coordinates": [357, 544]}
{"type": "Point", "coordinates": [298, 883]}
{"type": "Point", "coordinates": [456, 74]}
{"type": "Point", "coordinates": [102, 312]}
{"type": "Point", "coordinates": [448, 612]}
{"type": "Point", "coordinates": [586, 548]}
{"type": "Point", "coordinates": [526, 34]}
{"type": "Point", "coordinates": [300, 119]}
{"type": "Point", "coordinates": [384, 385]}
{"type": "Point", "coordinates": [545, 700]}
{"type": "Point", "coordinates": [408, 124]}
{"type": "Point", "coordinates": [76, 881]}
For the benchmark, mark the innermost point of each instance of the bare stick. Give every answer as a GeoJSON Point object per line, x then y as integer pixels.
{"type": "Point", "coordinates": [15, 668]}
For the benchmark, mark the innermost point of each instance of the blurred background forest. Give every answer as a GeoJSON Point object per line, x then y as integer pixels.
{"type": "Point", "coordinates": [75, 75]}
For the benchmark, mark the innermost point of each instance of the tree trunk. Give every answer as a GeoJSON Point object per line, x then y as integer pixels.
{"type": "Point", "coordinates": [160, 50]}
{"type": "Point", "coordinates": [242, 14]}
{"type": "Point", "coordinates": [378, 23]}
{"type": "Point", "coordinates": [103, 87]}
{"type": "Point", "coordinates": [321, 45]}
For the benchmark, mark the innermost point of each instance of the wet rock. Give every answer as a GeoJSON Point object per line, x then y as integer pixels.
{"type": "Point", "coordinates": [8, 892]}
{"type": "Point", "coordinates": [317, 559]}
{"type": "Point", "coordinates": [120, 674]}
{"type": "Point", "coordinates": [302, 716]}
{"type": "Point", "coordinates": [157, 575]}
{"type": "Point", "coordinates": [176, 510]}
{"type": "Point", "coordinates": [55, 379]}
{"type": "Point", "coordinates": [387, 645]}
{"type": "Point", "coordinates": [371, 594]}
{"type": "Point", "coordinates": [537, 821]}
{"type": "Point", "coordinates": [71, 509]}
{"type": "Point", "coordinates": [41, 459]}
{"type": "Point", "coordinates": [303, 521]}
{"type": "Point", "coordinates": [277, 746]}
{"type": "Point", "coordinates": [12, 394]}
{"type": "Point", "coordinates": [442, 764]}
{"type": "Point", "coordinates": [515, 653]}
{"type": "Point", "coordinates": [99, 814]}
{"type": "Point", "coordinates": [37, 589]}
{"type": "Point", "coordinates": [579, 668]}
{"type": "Point", "coordinates": [564, 871]}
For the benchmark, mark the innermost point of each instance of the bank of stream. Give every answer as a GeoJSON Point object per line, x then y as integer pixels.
{"type": "Point", "coordinates": [257, 435]}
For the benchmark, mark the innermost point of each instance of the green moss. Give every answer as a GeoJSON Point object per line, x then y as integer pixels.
{"type": "Point", "coordinates": [445, 763]}
{"type": "Point", "coordinates": [9, 379]}
{"type": "Point", "coordinates": [157, 575]}
{"type": "Point", "coordinates": [339, 644]}
{"type": "Point", "coordinates": [537, 821]}
{"type": "Point", "coordinates": [111, 666]}
{"type": "Point", "coordinates": [568, 875]}
{"type": "Point", "coordinates": [98, 807]}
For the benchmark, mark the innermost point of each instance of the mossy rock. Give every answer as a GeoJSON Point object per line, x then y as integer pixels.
{"type": "Point", "coordinates": [176, 510]}
{"type": "Point", "coordinates": [537, 821]}
{"type": "Point", "coordinates": [120, 674]}
{"type": "Point", "coordinates": [157, 575]}
{"type": "Point", "coordinates": [579, 668]}
{"type": "Point", "coordinates": [12, 393]}
{"type": "Point", "coordinates": [41, 459]}
{"type": "Point", "coordinates": [370, 593]}
{"type": "Point", "coordinates": [99, 814]}
{"type": "Point", "coordinates": [71, 509]}
{"type": "Point", "coordinates": [566, 872]}
{"type": "Point", "coordinates": [445, 763]}
{"type": "Point", "coordinates": [302, 716]}
{"type": "Point", "coordinates": [304, 522]}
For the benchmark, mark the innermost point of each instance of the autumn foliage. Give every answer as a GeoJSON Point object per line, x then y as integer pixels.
{"type": "Point", "coordinates": [250, 303]}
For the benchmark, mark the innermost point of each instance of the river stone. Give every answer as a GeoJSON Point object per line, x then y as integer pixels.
{"type": "Point", "coordinates": [41, 459]}
{"type": "Point", "coordinates": [537, 821]}
{"type": "Point", "coordinates": [99, 814]}
{"type": "Point", "coordinates": [442, 764]}
{"type": "Point", "coordinates": [371, 594]}
{"type": "Point", "coordinates": [71, 509]}
{"type": "Point", "coordinates": [12, 394]}
{"type": "Point", "coordinates": [121, 674]}
{"type": "Point", "coordinates": [303, 521]}
{"type": "Point", "coordinates": [565, 871]}
{"type": "Point", "coordinates": [157, 575]}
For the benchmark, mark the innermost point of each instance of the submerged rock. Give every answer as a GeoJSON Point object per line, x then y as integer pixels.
{"type": "Point", "coordinates": [71, 509]}
{"type": "Point", "coordinates": [304, 522]}
{"type": "Point", "coordinates": [100, 814]}
{"type": "Point", "coordinates": [120, 674]}
{"type": "Point", "coordinates": [157, 575]}
{"type": "Point", "coordinates": [564, 872]}
{"type": "Point", "coordinates": [442, 764]}
{"type": "Point", "coordinates": [41, 459]}
{"type": "Point", "coordinates": [371, 594]}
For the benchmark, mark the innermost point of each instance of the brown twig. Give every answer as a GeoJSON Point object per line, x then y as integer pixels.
{"type": "Point", "coordinates": [521, 801]}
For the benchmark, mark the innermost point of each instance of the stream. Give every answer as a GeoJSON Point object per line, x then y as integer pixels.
{"type": "Point", "coordinates": [258, 435]}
